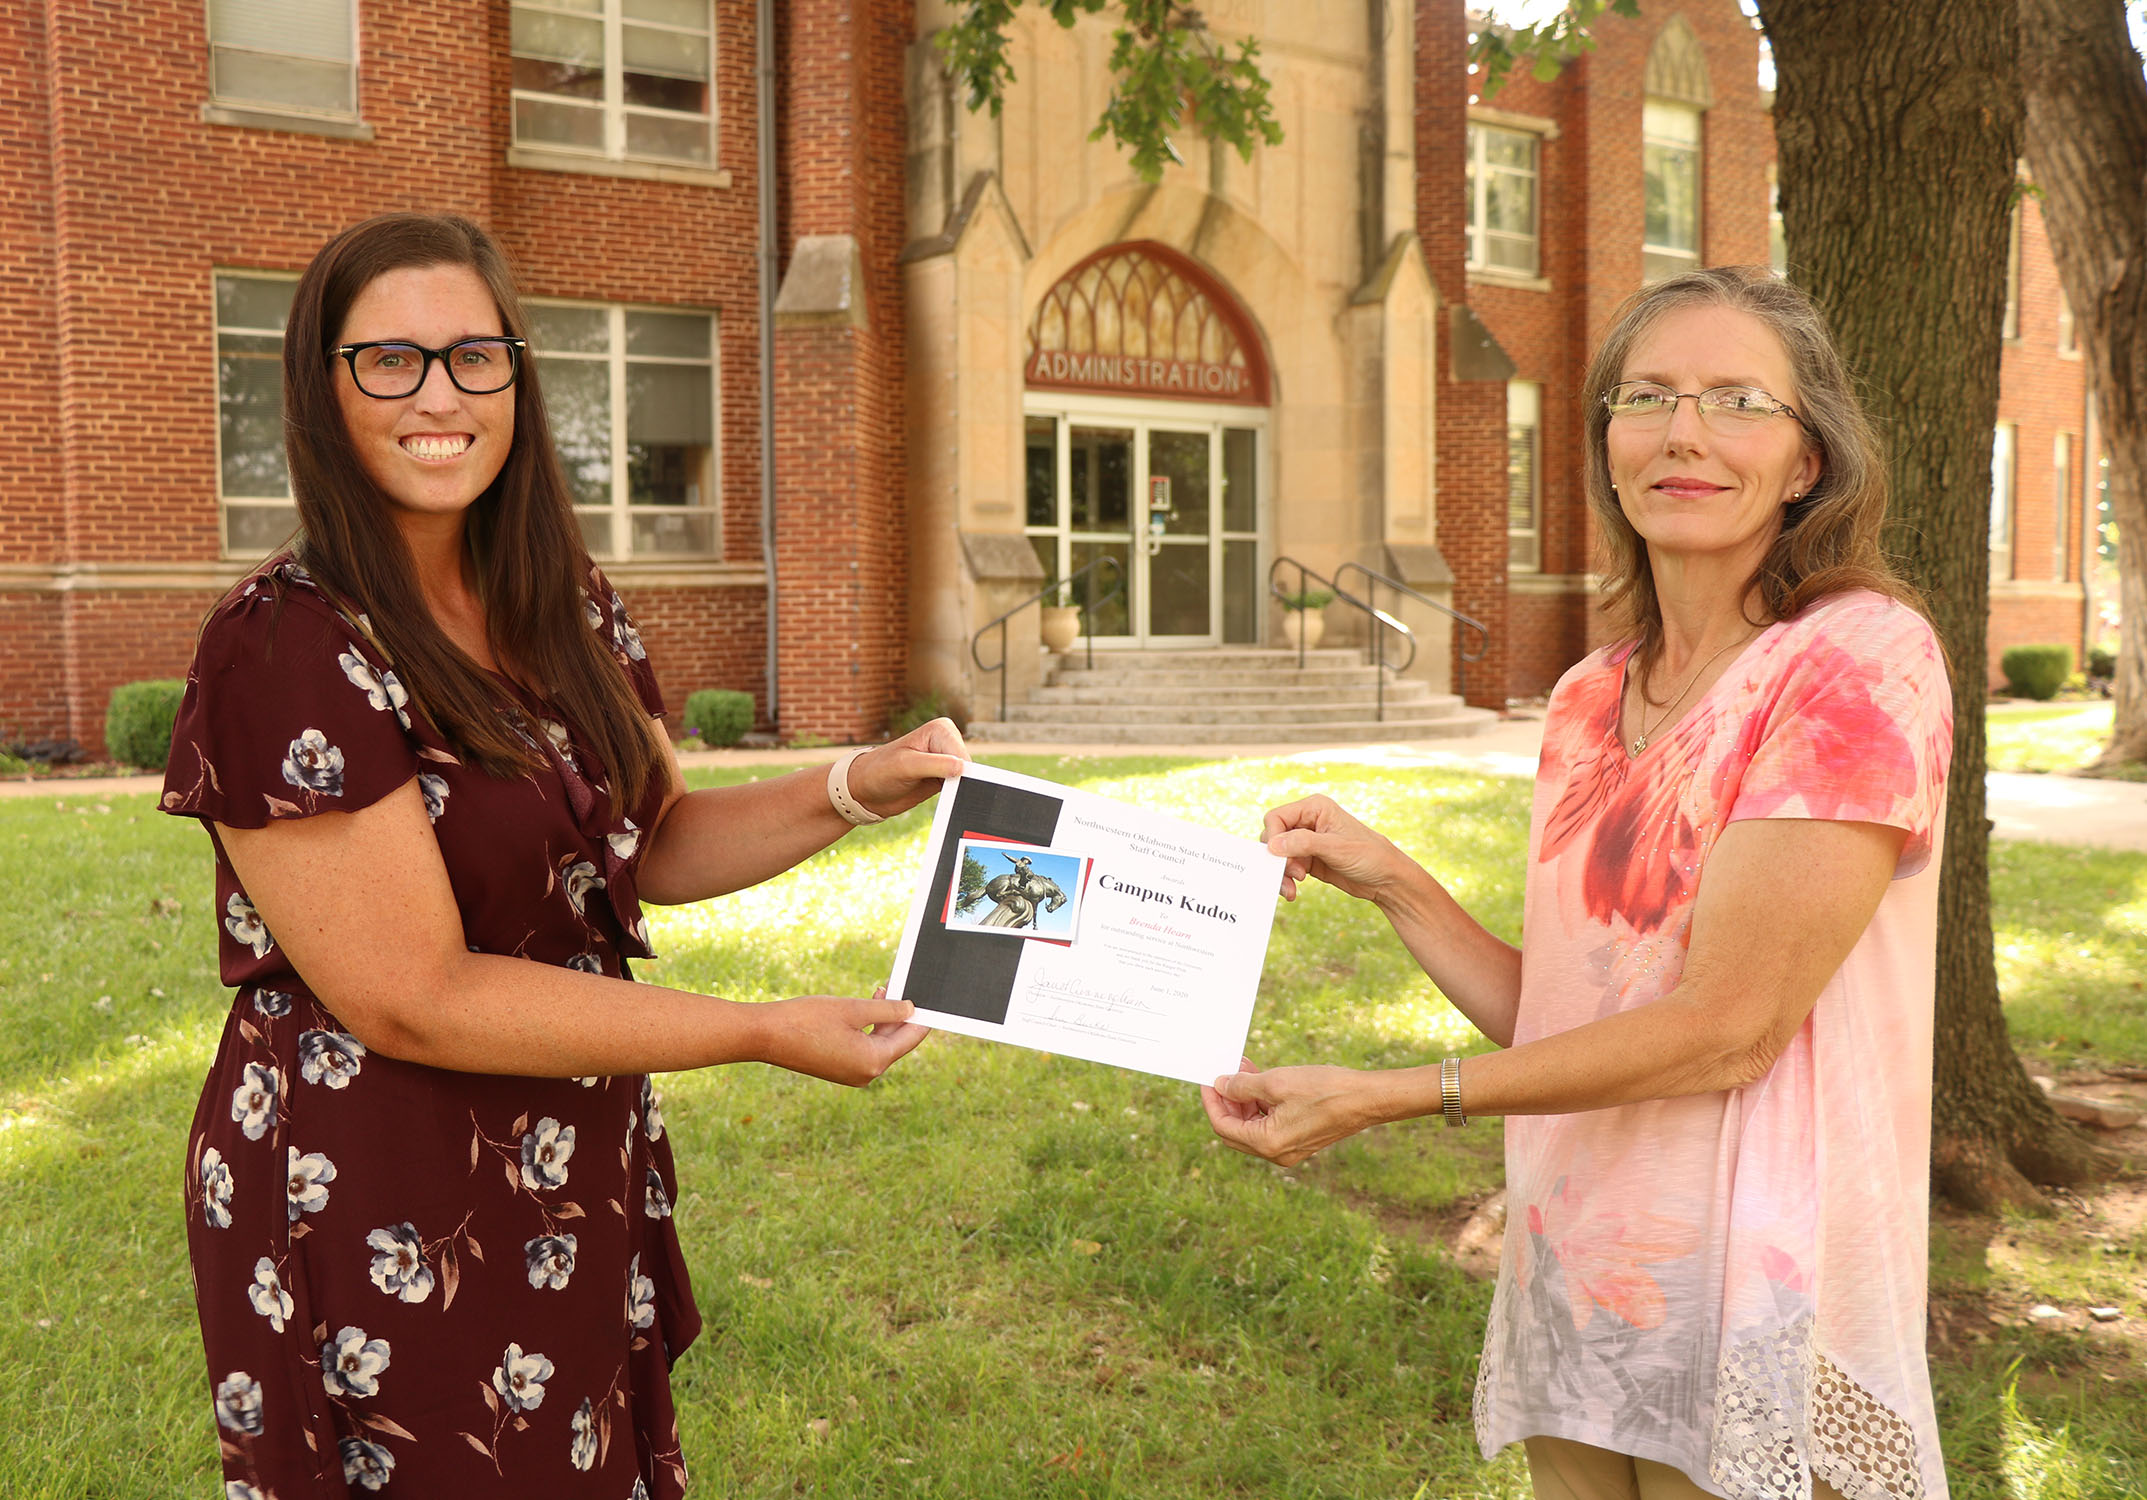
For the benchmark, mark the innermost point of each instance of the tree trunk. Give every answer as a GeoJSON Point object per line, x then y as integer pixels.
{"type": "Point", "coordinates": [2087, 144]}
{"type": "Point", "coordinates": [1898, 128]}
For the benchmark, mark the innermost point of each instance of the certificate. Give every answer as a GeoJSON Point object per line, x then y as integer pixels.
{"type": "Point", "coordinates": [1056, 919]}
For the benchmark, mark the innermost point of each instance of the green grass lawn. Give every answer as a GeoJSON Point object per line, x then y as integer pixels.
{"type": "Point", "coordinates": [2052, 737]}
{"type": "Point", "coordinates": [995, 1273]}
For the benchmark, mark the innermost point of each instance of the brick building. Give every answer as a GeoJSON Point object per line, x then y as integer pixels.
{"type": "Point", "coordinates": [1653, 153]}
{"type": "Point", "coordinates": [993, 355]}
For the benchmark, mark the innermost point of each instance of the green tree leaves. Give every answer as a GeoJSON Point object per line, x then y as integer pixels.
{"type": "Point", "coordinates": [1497, 48]}
{"type": "Point", "coordinates": [1165, 68]}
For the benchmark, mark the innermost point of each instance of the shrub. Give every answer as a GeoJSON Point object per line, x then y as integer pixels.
{"type": "Point", "coordinates": [137, 725]}
{"type": "Point", "coordinates": [2036, 671]}
{"type": "Point", "coordinates": [718, 716]}
{"type": "Point", "coordinates": [1308, 599]}
{"type": "Point", "coordinates": [922, 708]}
{"type": "Point", "coordinates": [2102, 662]}
{"type": "Point", "coordinates": [13, 765]}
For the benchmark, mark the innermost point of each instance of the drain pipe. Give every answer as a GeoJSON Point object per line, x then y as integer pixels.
{"type": "Point", "coordinates": [764, 50]}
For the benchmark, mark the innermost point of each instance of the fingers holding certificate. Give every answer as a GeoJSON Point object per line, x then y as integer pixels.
{"type": "Point", "coordinates": [1055, 919]}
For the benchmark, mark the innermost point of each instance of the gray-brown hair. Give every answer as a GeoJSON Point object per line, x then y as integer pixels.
{"type": "Point", "coordinates": [1829, 541]}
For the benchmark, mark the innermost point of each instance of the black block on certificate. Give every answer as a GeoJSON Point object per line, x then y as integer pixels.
{"type": "Point", "coordinates": [973, 973]}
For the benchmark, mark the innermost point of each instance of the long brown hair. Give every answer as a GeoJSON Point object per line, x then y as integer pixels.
{"type": "Point", "coordinates": [1829, 542]}
{"type": "Point", "coordinates": [527, 552]}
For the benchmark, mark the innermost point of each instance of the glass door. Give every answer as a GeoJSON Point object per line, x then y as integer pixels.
{"type": "Point", "coordinates": [1176, 502]}
{"type": "Point", "coordinates": [1179, 555]}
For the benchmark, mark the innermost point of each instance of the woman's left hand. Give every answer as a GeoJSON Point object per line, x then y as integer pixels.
{"type": "Point", "coordinates": [1288, 1115]}
{"type": "Point", "coordinates": [896, 776]}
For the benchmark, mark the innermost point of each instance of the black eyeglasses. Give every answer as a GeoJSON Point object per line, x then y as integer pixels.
{"type": "Point", "coordinates": [385, 369]}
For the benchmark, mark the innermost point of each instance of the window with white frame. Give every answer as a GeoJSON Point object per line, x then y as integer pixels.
{"type": "Point", "coordinates": [631, 396]}
{"type": "Point", "coordinates": [1777, 236]}
{"type": "Point", "coordinates": [2065, 499]}
{"type": "Point", "coordinates": [1670, 166]}
{"type": "Point", "coordinates": [615, 79]}
{"type": "Point", "coordinates": [1502, 200]}
{"type": "Point", "coordinates": [2001, 503]}
{"type": "Point", "coordinates": [2011, 328]}
{"type": "Point", "coordinates": [1524, 485]}
{"type": "Point", "coordinates": [253, 484]}
{"type": "Point", "coordinates": [296, 56]}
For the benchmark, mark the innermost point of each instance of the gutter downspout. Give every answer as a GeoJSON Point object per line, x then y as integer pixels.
{"type": "Point", "coordinates": [764, 104]}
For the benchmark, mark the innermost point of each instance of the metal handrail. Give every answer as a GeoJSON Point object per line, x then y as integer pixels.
{"type": "Point", "coordinates": [1374, 578]}
{"type": "Point", "coordinates": [1056, 586]}
{"type": "Point", "coordinates": [1379, 618]}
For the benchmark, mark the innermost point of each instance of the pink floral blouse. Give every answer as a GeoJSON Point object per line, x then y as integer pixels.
{"type": "Point", "coordinates": [1733, 1283]}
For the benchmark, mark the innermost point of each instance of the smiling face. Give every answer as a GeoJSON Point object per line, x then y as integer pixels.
{"type": "Point", "coordinates": [1692, 492]}
{"type": "Point", "coordinates": [435, 451]}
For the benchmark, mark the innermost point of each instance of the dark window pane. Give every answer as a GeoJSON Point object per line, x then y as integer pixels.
{"type": "Point", "coordinates": [653, 135]}
{"type": "Point", "coordinates": [536, 75]}
{"type": "Point", "coordinates": [254, 530]}
{"type": "Point", "coordinates": [1241, 480]}
{"type": "Point", "coordinates": [1102, 478]}
{"type": "Point", "coordinates": [253, 302]}
{"type": "Point", "coordinates": [577, 399]}
{"type": "Point", "coordinates": [1042, 468]}
{"type": "Point", "coordinates": [1106, 616]}
{"type": "Point", "coordinates": [249, 398]}
{"type": "Point", "coordinates": [1178, 590]}
{"type": "Point", "coordinates": [1241, 593]}
{"type": "Point", "coordinates": [1181, 458]}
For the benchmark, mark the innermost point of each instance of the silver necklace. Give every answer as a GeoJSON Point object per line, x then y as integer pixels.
{"type": "Point", "coordinates": [1641, 743]}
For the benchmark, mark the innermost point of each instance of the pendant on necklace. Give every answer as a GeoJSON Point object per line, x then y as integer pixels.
{"type": "Point", "coordinates": [1640, 744]}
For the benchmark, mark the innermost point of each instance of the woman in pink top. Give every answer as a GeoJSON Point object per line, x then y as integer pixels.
{"type": "Point", "coordinates": [1715, 1037]}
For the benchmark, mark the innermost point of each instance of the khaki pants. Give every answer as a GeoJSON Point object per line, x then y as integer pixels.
{"type": "Point", "coordinates": [1564, 1470]}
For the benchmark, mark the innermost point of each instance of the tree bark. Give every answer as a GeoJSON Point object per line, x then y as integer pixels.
{"type": "Point", "coordinates": [1898, 127]}
{"type": "Point", "coordinates": [2087, 145]}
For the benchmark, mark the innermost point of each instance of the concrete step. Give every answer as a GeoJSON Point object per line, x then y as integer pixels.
{"type": "Point", "coordinates": [1278, 695]}
{"type": "Point", "coordinates": [1229, 713]}
{"type": "Point", "coordinates": [1213, 656]}
{"type": "Point", "coordinates": [1367, 731]}
{"type": "Point", "coordinates": [1218, 676]}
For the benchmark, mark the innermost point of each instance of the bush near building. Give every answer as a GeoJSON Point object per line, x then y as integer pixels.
{"type": "Point", "coordinates": [137, 724]}
{"type": "Point", "coordinates": [718, 716]}
{"type": "Point", "coordinates": [2036, 671]}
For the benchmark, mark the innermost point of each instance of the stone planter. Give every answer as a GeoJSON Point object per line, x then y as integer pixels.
{"type": "Point", "coordinates": [1061, 627]}
{"type": "Point", "coordinates": [1308, 623]}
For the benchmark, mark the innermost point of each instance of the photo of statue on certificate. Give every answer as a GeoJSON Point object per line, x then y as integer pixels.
{"type": "Point", "coordinates": [1016, 890]}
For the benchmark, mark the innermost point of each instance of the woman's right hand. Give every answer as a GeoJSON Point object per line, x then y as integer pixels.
{"type": "Point", "coordinates": [1320, 840]}
{"type": "Point", "coordinates": [825, 1036]}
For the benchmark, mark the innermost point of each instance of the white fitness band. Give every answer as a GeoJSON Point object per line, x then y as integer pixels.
{"type": "Point", "coordinates": [854, 812]}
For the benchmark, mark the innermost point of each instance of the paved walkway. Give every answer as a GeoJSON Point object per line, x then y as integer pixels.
{"type": "Point", "coordinates": [2053, 809]}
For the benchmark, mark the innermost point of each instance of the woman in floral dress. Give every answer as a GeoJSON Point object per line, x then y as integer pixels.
{"type": "Point", "coordinates": [428, 1187]}
{"type": "Point", "coordinates": [1716, 1033]}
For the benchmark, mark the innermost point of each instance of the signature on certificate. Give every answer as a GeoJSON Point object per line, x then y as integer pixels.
{"type": "Point", "coordinates": [1094, 996]}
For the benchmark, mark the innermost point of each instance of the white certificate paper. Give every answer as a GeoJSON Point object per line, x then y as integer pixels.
{"type": "Point", "coordinates": [1056, 919]}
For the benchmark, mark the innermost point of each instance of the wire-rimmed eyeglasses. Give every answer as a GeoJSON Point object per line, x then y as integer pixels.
{"type": "Point", "coordinates": [386, 368]}
{"type": "Point", "coordinates": [1724, 408]}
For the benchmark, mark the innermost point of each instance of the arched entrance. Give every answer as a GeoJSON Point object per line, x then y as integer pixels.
{"type": "Point", "coordinates": [1146, 424]}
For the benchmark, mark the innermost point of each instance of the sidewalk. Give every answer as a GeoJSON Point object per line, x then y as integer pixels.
{"type": "Point", "coordinates": [2049, 809]}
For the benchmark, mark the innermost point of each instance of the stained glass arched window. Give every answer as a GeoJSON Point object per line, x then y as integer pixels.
{"type": "Point", "coordinates": [1139, 319]}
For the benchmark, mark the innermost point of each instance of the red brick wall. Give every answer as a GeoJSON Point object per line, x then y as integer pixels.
{"type": "Point", "coordinates": [117, 202]}
{"type": "Point", "coordinates": [31, 519]}
{"type": "Point", "coordinates": [1470, 449]}
{"type": "Point", "coordinates": [2043, 393]}
{"type": "Point", "coordinates": [841, 555]}
{"type": "Point", "coordinates": [1590, 224]}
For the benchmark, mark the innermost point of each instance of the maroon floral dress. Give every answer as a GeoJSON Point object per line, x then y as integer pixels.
{"type": "Point", "coordinates": [410, 1280]}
